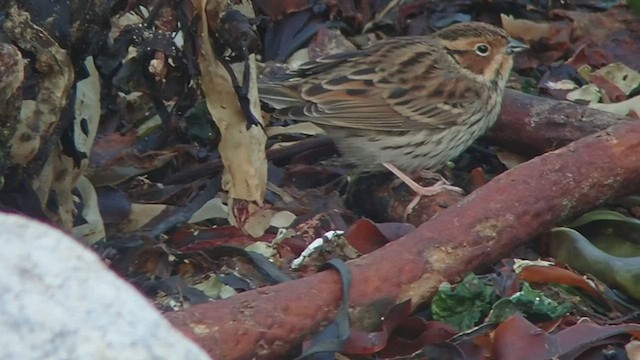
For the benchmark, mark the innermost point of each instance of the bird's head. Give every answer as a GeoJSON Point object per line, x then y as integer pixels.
{"type": "Point", "coordinates": [482, 49]}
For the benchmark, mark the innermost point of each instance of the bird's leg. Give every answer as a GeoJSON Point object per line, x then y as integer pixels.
{"type": "Point", "coordinates": [432, 175]}
{"type": "Point", "coordinates": [440, 186]}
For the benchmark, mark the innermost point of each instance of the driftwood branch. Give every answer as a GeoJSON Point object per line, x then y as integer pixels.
{"type": "Point", "coordinates": [532, 125]}
{"type": "Point", "coordinates": [505, 213]}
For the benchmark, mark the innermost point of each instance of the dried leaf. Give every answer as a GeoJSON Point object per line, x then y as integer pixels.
{"type": "Point", "coordinates": [141, 214]}
{"type": "Point", "coordinates": [365, 236]}
{"type": "Point", "coordinates": [128, 165]}
{"type": "Point", "coordinates": [242, 150]}
{"type": "Point", "coordinates": [622, 108]}
{"type": "Point", "coordinates": [38, 119]}
{"type": "Point", "coordinates": [527, 30]}
{"type": "Point", "coordinates": [518, 336]}
{"type": "Point", "coordinates": [214, 208]}
{"type": "Point", "coordinates": [622, 76]}
{"type": "Point", "coordinates": [282, 219]}
{"type": "Point", "coordinates": [215, 289]}
{"type": "Point", "coordinates": [305, 128]}
{"type": "Point", "coordinates": [509, 159]}
{"type": "Point", "coordinates": [590, 93]}
{"type": "Point", "coordinates": [248, 216]}
{"type": "Point", "coordinates": [92, 230]}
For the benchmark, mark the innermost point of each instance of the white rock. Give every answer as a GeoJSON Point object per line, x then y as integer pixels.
{"type": "Point", "coordinates": [58, 301]}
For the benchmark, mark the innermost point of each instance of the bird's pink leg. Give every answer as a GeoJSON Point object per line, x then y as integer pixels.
{"type": "Point", "coordinates": [440, 186]}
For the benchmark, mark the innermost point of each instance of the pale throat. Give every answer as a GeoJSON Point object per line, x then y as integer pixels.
{"type": "Point", "coordinates": [498, 69]}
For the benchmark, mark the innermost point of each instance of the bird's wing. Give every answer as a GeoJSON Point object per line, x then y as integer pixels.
{"type": "Point", "coordinates": [284, 89]}
{"type": "Point", "coordinates": [394, 86]}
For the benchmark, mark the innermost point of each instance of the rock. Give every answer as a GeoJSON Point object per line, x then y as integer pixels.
{"type": "Point", "coordinates": [59, 301]}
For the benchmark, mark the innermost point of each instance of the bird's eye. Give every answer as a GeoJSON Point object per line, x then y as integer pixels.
{"type": "Point", "coordinates": [482, 49]}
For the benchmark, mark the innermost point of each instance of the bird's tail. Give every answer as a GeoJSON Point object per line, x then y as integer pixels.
{"type": "Point", "coordinates": [278, 95]}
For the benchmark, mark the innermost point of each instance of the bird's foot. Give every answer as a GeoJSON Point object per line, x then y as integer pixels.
{"type": "Point", "coordinates": [432, 175]}
{"type": "Point", "coordinates": [440, 186]}
{"type": "Point", "coordinates": [422, 191]}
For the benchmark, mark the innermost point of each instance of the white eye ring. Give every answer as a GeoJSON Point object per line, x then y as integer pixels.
{"type": "Point", "coordinates": [483, 49]}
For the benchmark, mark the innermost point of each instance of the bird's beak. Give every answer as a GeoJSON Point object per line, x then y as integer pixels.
{"type": "Point", "coordinates": [515, 46]}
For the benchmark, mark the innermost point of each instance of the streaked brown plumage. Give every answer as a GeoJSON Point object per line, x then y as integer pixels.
{"type": "Point", "coordinates": [413, 102]}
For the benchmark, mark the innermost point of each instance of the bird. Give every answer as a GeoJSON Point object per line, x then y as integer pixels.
{"type": "Point", "coordinates": [406, 103]}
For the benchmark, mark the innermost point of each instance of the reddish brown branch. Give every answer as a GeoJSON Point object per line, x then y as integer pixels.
{"type": "Point", "coordinates": [532, 125]}
{"type": "Point", "coordinates": [507, 212]}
